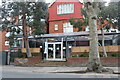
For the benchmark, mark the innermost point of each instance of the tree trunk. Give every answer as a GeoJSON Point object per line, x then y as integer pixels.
{"type": "Point", "coordinates": [103, 43]}
{"type": "Point", "coordinates": [94, 63]}
{"type": "Point", "coordinates": [25, 36]}
{"type": "Point", "coordinates": [94, 58]}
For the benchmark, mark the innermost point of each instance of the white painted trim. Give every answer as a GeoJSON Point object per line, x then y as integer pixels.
{"type": "Point", "coordinates": [54, 55]}
{"type": "Point", "coordinates": [56, 59]}
{"type": "Point", "coordinates": [51, 3]}
{"type": "Point", "coordinates": [54, 42]}
{"type": "Point", "coordinates": [47, 50]}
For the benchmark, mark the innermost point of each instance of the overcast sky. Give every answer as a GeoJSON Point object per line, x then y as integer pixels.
{"type": "Point", "coordinates": [48, 1]}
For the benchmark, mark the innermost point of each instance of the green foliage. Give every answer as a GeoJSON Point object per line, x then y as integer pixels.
{"type": "Point", "coordinates": [115, 54]}
{"type": "Point", "coordinates": [84, 13]}
{"type": "Point", "coordinates": [86, 22]}
{"type": "Point", "coordinates": [81, 55]}
{"type": "Point", "coordinates": [35, 11]}
{"type": "Point", "coordinates": [72, 21]}
{"type": "Point", "coordinates": [39, 12]}
{"type": "Point", "coordinates": [101, 54]}
{"type": "Point", "coordinates": [110, 11]}
{"type": "Point", "coordinates": [79, 23]}
{"type": "Point", "coordinates": [74, 56]}
{"type": "Point", "coordinates": [84, 55]}
{"type": "Point", "coordinates": [20, 54]}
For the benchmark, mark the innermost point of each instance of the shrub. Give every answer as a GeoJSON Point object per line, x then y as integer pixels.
{"type": "Point", "coordinates": [84, 55]}
{"type": "Point", "coordinates": [20, 54]}
{"type": "Point", "coordinates": [73, 56]}
{"type": "Point", "coordinates": [115, 54]}
{"type": "Point", "coordinates": [101, 55]}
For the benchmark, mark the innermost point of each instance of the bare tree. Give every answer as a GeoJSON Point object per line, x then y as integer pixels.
{"type": "Point", "coordinates": [94, 63]}
{"type": "Point", "coordinates": [25, 36]}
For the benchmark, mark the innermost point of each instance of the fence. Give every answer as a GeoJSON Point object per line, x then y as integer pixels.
{"type": "Point", "coordinates": [82, 49]}
{"type": "Point", "coordinates": [33, 50]}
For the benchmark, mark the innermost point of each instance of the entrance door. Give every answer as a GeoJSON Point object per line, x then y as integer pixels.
{"type": "Point", "coordinates": [54, 51]}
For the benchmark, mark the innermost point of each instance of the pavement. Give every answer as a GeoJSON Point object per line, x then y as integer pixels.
{"type": "Point", "coordinates": [50, 69]}
{"type": "Point", "coordinates": [11, 71]}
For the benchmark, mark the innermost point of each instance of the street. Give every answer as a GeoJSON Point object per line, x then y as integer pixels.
{"type": "Point", "coordinates": [36, 72]}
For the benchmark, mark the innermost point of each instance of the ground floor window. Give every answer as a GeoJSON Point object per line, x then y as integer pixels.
{"type": "Point", "coordinates": [67, 27]}
{"type": "Point", "coordinates": [56, 27]}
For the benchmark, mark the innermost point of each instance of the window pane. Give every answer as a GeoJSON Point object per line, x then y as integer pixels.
{"type": "Point", "coordinates": [61, 9]}
{"type": "Point", "coordinates": [56, 26]}
{"type": "Point", "coordinates": [72, 8]}
{"type": "Point", "coordinates": [6, 43]}
{"type": "Point", "coordinates": [67, 27]}
{"type": "Point", "coordinates": [65, 9]}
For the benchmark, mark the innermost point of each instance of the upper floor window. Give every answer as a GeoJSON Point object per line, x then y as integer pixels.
{"type": "Point", "coordinates": [65, 9]}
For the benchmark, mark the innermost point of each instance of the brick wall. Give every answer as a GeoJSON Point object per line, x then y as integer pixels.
{"type": "Point", "coordinates": [2, 41]}
{"type": "Point", "coordinates": [60, 26]}
{"type": "Point", "coordinates": [34, 60]}
{"type": "Point", "coordinates": [27, 61]}
{"type": "Point", "coordinates": [82, 61]}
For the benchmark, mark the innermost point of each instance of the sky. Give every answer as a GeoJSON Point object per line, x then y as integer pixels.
{"type": "Point", "coordinates": [48, 1]}
{"type": "Point", "coordinates": [0, 2]}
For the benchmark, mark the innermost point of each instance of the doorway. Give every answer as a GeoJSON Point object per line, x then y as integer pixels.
{"type": "Point", "coordinates": [54, 51]}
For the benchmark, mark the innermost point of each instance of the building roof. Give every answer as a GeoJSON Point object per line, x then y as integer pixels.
{"type": "Point", "coordinates": [82, 36]}
{"type": "Point", "coordinates": [64, 1]}
{"type": "Point", "coordinates": [73, 34]}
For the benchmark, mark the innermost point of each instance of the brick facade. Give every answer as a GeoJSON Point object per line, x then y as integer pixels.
{"type": "Point", "coordinates": [71, 61]}
{"type": "Point", "coordinates": [27, 61]}
{"type": "Point", "coordinates": [3, 47]}
{"type": "Point", "coordinates": [55, 18]}
{"type": "Point", "coordinates": [3, 38]}
{"type": "Point", "coordinates": [79, 61]}
{"type": "Point", "coordinates": [60, 26]}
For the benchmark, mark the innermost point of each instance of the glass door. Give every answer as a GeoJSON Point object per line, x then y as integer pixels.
{"type": "Point", "coordinates": [50, 51]}
{"type": "Point", "coordinates": [55, 51]}
{"type": "Point", "coordinates": [58, 51]}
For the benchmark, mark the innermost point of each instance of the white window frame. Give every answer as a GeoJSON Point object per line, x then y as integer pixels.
{"type": "Point", "coordinates": [67, 27]}
{"type": "Point", "coordinates": [56, 27]}
{"type": "Point", "coordinates": [65, 9]}
{"type": "Point", "coordinates": [6, 43]}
